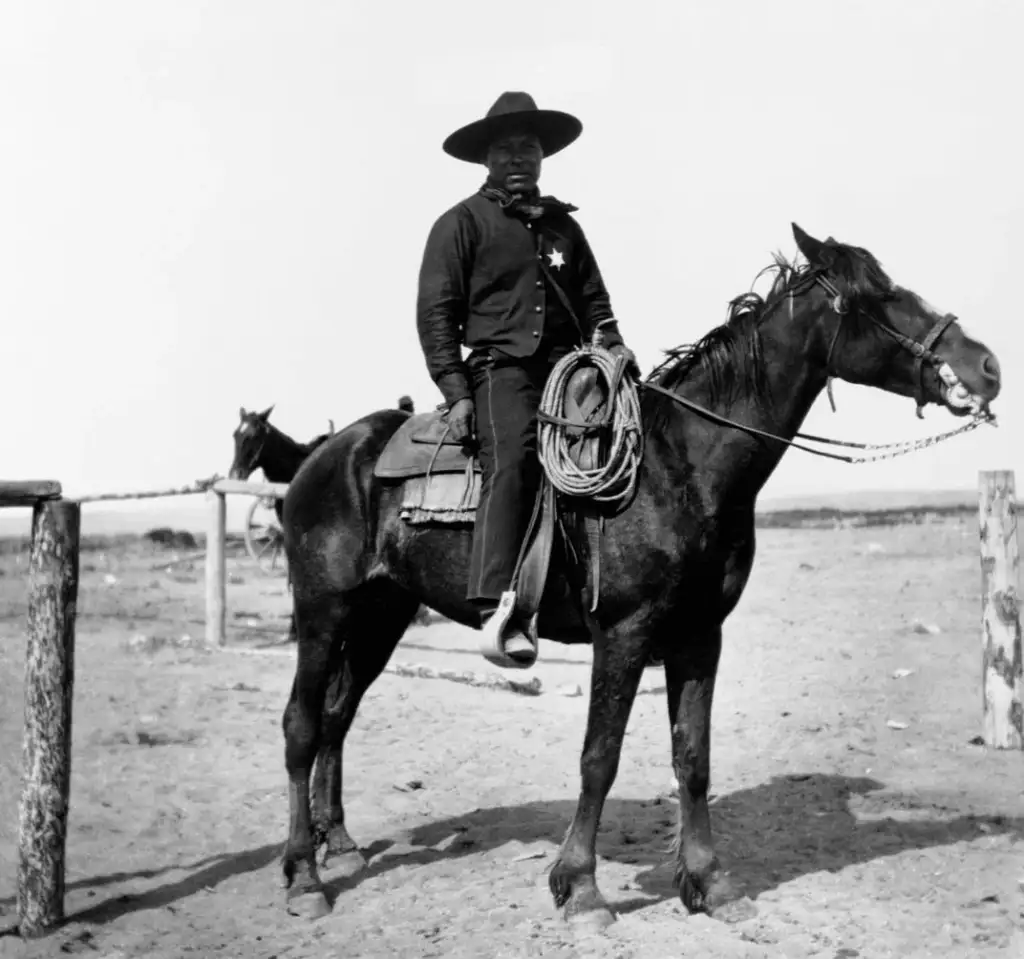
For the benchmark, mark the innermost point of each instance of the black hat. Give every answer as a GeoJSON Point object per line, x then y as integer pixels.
{"type": "Point", "coordinates": [513, 111]}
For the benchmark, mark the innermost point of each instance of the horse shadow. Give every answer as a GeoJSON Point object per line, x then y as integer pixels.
{"type": "Point", "coordinates": [766, 836]}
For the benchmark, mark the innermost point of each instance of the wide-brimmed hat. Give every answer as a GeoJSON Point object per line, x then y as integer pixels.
{"type": "Point", "coordinates": [513, 111]}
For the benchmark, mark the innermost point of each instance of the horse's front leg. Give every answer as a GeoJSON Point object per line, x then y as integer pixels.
{"type": "Point", "coordinates": [690, 669]}
{"type": "Point", "coordinates": [619, 662]}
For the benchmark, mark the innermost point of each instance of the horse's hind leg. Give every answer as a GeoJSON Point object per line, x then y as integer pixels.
{"type": "Point", "coordinates": [321, 628]}
{"type": "Point", "coordinates": [380, 616]}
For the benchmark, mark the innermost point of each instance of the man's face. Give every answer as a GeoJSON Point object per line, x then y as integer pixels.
{"type": "Point", "coordinates": [513, 162]}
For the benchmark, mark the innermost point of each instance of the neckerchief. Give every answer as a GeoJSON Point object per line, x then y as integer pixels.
{"type": "Point", "coordinates": [529, 206]}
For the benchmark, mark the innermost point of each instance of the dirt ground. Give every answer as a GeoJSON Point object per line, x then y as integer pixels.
{"type": "Point", "coordinates": [851, 837]}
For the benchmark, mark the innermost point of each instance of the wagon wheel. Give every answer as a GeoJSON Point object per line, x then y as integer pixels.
{"type": "Point", "coordinates": [264, 539]}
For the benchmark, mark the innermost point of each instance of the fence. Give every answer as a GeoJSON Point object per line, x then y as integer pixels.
{"type": "Point", "coordinates": [216, 538]}
{"type": "Point", "coordinates": [49, 669]}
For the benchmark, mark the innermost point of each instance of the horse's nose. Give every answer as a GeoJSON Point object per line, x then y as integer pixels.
{"type": "Point", "coordinates": [990, 367]}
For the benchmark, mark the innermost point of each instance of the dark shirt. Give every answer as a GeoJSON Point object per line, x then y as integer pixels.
{"type": "Point", "coordinates": [481, 285]}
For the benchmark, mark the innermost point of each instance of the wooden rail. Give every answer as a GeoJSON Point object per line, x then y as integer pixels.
{"type": "Point", "coordinates": [227, 486]}
{"type": "Point", "coordinates": [28, 492]}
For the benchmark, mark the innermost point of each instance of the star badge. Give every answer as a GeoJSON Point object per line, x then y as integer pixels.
{"type": "Point", "coordinates": [556, 259]}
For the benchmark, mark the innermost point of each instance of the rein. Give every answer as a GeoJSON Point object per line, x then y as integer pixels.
{"type": "Point", "coordinates": [891, 449]}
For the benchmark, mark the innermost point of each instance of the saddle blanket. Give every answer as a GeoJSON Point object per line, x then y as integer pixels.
{"type": "Point", "coordinates": [447, 498]}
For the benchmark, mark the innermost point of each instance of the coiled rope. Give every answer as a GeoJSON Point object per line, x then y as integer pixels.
{"type": "Point", "coordinates": [619, 428]}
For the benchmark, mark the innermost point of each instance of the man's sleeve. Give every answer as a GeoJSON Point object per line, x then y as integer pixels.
{"type": "Point", "coordinates": [595, 303]}
{"type": "Point", "coordinates": [441, 303]}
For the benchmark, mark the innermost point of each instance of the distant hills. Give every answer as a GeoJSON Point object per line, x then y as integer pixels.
{"type": "Point", "coordinates": [867, 500]}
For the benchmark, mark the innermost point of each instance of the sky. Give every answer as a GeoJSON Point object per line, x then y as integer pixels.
{"type": "Point", "coordinates": [207, 205]}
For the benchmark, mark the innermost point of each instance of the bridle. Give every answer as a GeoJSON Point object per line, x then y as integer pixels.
{"type": "Point", "coordinates": [923, 354]}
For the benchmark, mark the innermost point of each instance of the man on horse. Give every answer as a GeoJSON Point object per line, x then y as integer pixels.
{"type": "Point", "coordinates": [508, 274]}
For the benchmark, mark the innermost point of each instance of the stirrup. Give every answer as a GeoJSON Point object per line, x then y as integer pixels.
{"type": "Point", "coordinates": [496, 631]}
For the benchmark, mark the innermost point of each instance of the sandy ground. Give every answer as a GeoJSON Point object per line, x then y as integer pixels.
{"type": "Point", "coordinates": [852, 838]}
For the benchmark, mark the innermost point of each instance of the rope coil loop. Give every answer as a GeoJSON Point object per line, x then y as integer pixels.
{"type": "Point", "coordinates": [612, 481]}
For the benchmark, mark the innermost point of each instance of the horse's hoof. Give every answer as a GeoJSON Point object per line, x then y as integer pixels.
{"type": "Point", "coordinates": [691, 893]}
{"type": "Point", "coordinates": [591, 922]}
{"type": "Point", "coordinates": [311, 904]}
{"type": "Point", "coordinates": [734, 911]}
{"type": "Point", "coordinates": [717, 897]}
{"type": "Point", "coordinates": [587, 912]}
{"type": "Point", "coordinates": [344, 865]}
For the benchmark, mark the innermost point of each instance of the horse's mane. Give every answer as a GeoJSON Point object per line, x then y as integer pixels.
{"type": "Point", "coordinates": [729, 357]}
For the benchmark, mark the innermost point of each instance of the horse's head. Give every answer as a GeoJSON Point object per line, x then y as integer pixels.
{"type": "Point", "coordinates": [882, 335]}
{"type": "Point", "coordinates": [250, 438]}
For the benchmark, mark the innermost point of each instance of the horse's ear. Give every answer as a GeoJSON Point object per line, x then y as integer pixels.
{"type": "Point", "coordinates": [816, 252]}
{"type": "Point", "coordinates": [330, 427]}
{"type": "Point", "coordinates": [241, 413]}
{"type": "Point", "coordinates": [265, 415]}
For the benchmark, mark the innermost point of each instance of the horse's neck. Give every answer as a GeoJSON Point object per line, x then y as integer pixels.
{"type": "Point", "coordinates": [281, 458]}
{"type": "Point", "coordinates": [794, 372]}
{"type": "Point", "coordinates": [793, 377]}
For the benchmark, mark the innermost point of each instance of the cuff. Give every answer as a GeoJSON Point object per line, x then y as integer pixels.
{"type": "Point", "coordinates": [454, 387]}
{"type": "Point", "coordinates": [610, 335]}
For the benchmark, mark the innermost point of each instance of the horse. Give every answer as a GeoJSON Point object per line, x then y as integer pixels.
{"type": "Point", "coordinates": [261, 445]}
{"type": "Point", "coordinates": [717, 417]}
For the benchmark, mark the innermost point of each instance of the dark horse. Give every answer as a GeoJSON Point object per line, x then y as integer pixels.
{"type": "Point", "coordinates": [261, 445]}
{"type": "Point", "coordinates": [674, 564]}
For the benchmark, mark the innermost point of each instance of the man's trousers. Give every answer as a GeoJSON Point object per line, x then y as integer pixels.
{"type": "Point", "coordinates": [506, 394]}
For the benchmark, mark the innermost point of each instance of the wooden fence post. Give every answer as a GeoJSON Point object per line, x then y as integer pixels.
{"type": "Point", "coordinates": [49, 693]}
{"type": "Point", "coordinates": [1002, 659]}
{"type": "Point", "coordinates": [216, 570]}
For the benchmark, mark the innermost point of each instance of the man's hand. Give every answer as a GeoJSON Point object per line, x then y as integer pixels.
{"type": "Point", "coordinates": [461, 421]}
{"type": "Point", "coordinates": [620, 349]}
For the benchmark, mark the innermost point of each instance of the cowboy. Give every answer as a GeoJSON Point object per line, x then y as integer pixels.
{"type": "Point", "coordinates": [508, 274]}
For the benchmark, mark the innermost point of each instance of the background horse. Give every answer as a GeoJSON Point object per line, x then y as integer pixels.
{"type": "Point", "coordinates": [261, 445]}
{"type": "Point", "coordinates": [716, 418]}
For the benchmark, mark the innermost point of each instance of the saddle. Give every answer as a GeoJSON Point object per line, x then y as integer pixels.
{"type": "Point", "coordinates": [441, 485]}
{"type": "Point", "coordinates": [422, 446]}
